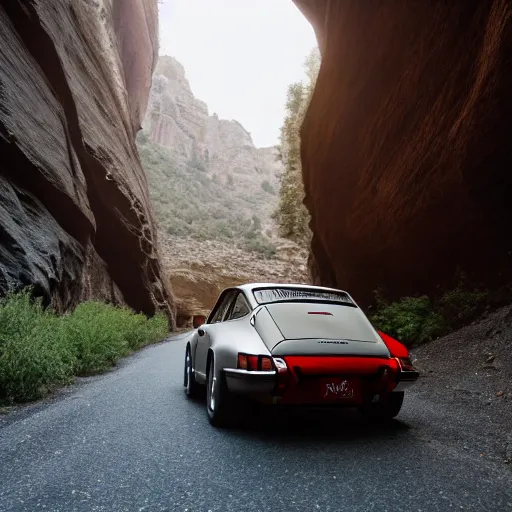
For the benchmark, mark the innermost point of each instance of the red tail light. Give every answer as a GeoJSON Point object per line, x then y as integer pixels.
{"type": "Point", "coordinates": [242, 362]}
{"type": "Point", "coordinates": [255, 363]}
{"type": "Point", "coordinates": [266, 364]}
{"type": "Point", "coordinates": [406, 364]}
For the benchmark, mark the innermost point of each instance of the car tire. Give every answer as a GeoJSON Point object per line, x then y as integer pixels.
{"type": "Point", "coordinates": [189, 381]}
{"type": "Point", "coordinates": [385, 410]}
{"type": "Point", "coordinates": [218, 399]}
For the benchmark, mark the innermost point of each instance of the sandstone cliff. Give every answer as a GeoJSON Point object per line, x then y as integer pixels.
{"type": "Point", "coordinates": [405, 147]}
{"type": "Point", "coordinates": [75, 220]}
{"type": "Point", "coordinates": [222, 150]}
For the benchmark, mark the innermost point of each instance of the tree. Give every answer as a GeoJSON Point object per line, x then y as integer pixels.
{"type": "Point", "coordinates": [291, 215]}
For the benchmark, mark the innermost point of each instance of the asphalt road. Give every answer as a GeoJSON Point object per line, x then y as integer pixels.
{"type": "Point", "coordinates": [131, 441]}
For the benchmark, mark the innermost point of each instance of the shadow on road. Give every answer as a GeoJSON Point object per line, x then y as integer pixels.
{"type": "Point", "coordinates": [308, 423]}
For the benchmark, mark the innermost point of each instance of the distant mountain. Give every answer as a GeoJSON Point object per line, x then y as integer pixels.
{"type": "Point", "coordinates": [206, 177]}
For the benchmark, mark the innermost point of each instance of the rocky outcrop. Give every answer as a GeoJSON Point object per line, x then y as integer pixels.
{"type": "Point", "coordinates": [199, 273]}
{"type": "Point", "coordinates": [75, 219]}
{"type": "Point", "coordinates": [405, 147]}
{"type": "Point", "coordinates": [222, 149]}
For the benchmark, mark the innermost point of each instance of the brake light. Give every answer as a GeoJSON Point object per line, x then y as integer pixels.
{"type": "Point", "coordinates": [242, 362]}
{"type": "Point", "coordinates": [255, 363]}
{"type": "Point", "coordinates": [252, 363]}
{"type": "Point", "coordinates": [406, 364]}
{"type": "Point", "coordinates": [266, 364]}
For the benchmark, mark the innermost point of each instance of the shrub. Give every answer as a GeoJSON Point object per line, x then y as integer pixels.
{"type": "Point", "coordinates": [40, 350]}
{"type": "Point", "coordinates": [260, 245]}
{"type": "Point", "coordinates": [419, 319]}
{"type": "Point", "coordinates": [411, 319]}
{"type": "Point", "coordinates": [98, 335]}
{"type": "Point", "coordinates": [459, 307]}
{"type": "Point", "coordinates": [34, 355]}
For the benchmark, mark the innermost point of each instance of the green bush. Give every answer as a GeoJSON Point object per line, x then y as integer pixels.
{"type": "Point", "coordinates": [459, 307]}
{"type": "Point", "coordinates": [420, 319]}
{"type": "Point", "coordinates": [411, 319]}
{"type": "Point", "coordinates": [34, 355]}
{"type": "Point", "coordinates": [40, 350]}
{"type": "Point", "coordinates": [260, 245]}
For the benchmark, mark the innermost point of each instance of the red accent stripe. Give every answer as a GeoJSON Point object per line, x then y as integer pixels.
{"type": "Point", "coordinates": [317, 365]}
{"type": "Point", "coordinates": [319, 313]}
{"type": "Point", "coordinates": [311, 390]}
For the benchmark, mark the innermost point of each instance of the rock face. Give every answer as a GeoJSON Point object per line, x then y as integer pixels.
{"type": "Point", "coordinates": [406, 145]}
{"type": "Point", "coordinates": [75, 220]}
{"type": "Point", "coordinates": [223, 149]}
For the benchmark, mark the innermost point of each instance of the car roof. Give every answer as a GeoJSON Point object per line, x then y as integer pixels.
{"type": "Point", "coordinates": [251, 286]}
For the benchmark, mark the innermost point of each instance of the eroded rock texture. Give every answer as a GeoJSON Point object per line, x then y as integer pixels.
{"type": "Point", "coordinates": [74, 210]}
{"type": "Point", "coordinates": [406, 146]}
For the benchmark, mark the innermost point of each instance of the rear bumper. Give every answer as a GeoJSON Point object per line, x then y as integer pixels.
{"type": "Point", "coordinates": [406, 379]}
{"type": "Point", "coordinates": [250, 382]}
{"type": "Point", "coordinates": [263, 385]}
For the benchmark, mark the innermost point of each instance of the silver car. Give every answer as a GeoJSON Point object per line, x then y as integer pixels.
{"type": "Point", "coordinates": [294, 345]}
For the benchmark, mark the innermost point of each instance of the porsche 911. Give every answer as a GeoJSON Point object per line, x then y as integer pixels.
{"type": "Point", "coordinates": [300, 345]}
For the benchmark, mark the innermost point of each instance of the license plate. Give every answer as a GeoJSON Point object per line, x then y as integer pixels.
{"type": "Point", "coordinates": [339, 389]}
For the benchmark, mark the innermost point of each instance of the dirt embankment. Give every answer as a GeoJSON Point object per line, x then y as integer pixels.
{"type": "Point", "coordinates": [470, 371]}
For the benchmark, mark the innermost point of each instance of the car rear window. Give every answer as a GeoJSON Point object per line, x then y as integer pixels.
{"type": "Point", "coordinates": [267, 295]}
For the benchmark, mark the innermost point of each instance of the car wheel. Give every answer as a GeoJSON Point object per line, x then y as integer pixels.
{"type": "Point", "coordinates": [189, 381]}
{"type": "Point", "coordinates": [218, 400]}
{"type": "Point", "coordinates": [385, 410]}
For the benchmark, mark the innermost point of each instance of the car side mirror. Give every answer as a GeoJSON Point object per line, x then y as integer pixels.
{"type": "Point", "coordinates": [198, 320]}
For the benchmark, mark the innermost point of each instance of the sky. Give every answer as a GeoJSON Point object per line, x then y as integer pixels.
{"type": "Point", "coordinates": [239, 56]}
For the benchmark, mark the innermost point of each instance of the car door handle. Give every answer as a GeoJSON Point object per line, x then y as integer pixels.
{"type": "Point", "coordinates": [201, 332]}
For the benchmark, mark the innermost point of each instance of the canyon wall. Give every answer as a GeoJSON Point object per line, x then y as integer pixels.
{"type": "Point", "coordinates": [406, 145]}
{"type": "Point", "coordinates": [75, 220]}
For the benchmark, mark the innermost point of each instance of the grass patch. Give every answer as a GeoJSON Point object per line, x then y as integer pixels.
{"type": "Point", "coordinates": [40, 350]}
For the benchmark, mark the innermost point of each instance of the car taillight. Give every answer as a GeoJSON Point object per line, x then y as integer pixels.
{"type": "Point", "coordinates": [406, 364]}
{"type": "Point", "coordinates": [242, 362]}
{"type": "Point", "coordinates": [255, 363]}
{"type": "Point", "coordinates": [266, 364]}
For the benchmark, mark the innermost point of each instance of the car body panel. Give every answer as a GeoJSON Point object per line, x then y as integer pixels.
{"type": "Point", "coordinates": [325, 321]}
{"type": "Point", "coordinates": [223, 339]}
{"type": "Point", "coordinates": [266, 328]}
{"type": "Point", "coordinates": [315, 346]}
{"type": "Point", "coordinates": [250, 382]}
{"type": "Point", "coordinates": [323, 329]}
